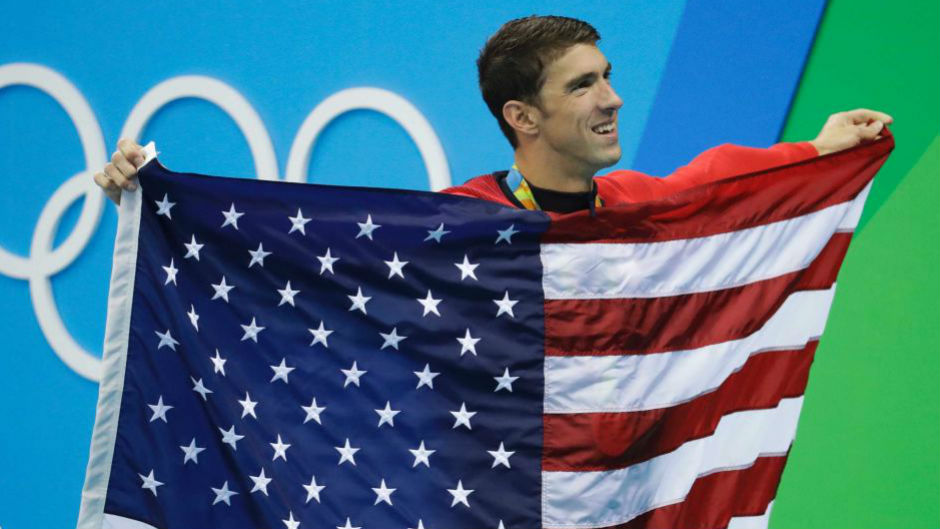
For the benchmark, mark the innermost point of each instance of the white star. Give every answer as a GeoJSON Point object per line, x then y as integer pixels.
{"type": "Point", "coordinates": [460, 494]}
{"type": "Point", "coordinates": [222, 494]}
{"type": "Point", "coordinates": [231, 216]}
{"type": "Point", "coordinates": [221, 290]}
{"type": "Point", "coordinates": [313, 490]}
{"type": "Point", "coordinates": [166, 339]}
{"type": "Point", "coordinates": [248, 406]}
{"type": "Point", "coordinates": [505, 305]}
{"type": "Point", "coordinates": [346, 453]}
{"type": "Point", "coordinates": [193, 317]}
{"type": "Point", "coordinates": [290, 522]}
{"type": "Point", "coordinates": [320, 335]}
{"type": "Point", "coordinates": [192, 248]}
{"type": "Point", "coordinates": [326, 261]}
{"type": "Point", "coordinates": [280, 449]}
{"type": "Point", "coordinates": [468, 344]}
{"type": "Point", "coordinates": [352, 375]}
{"type": "Point", "coordinates": [467, 268]}
{"type": "Point", "coordinates": [230, 437]}
{"type": "Point", "coordinates": [313, 412]}
{"type": "Point", "coordinates": [462, 416]}
{"type": "Point", "coordinates": [261, 482]}
{"type": "Point", "coordinates": [391, 339]}
{"type": "Point", "coordinates": [170, 273]}
{"type": "Point", "coordinates": [500, 456]}
{"type": "Point", "coordinates": [506, 235]}
{"type": "Point", "coordinates": [429, 304]}
{"type": "Point", "coordinates": [395, 266]}
{"type": "Point", "coordinates": [348, 525]}
{"type": "Point", "coordinates": [191, 452]}
{"type": "Point", "coordinates": [257, 256]}
{"type": "Point", "coordinates": [298, 223]}
{"type": "Point", "coordinates": [199, 388]}
{"type": "Point", "coordinates": [159, 410]}
{"type": "Point", "coordinates": [149, 482]}
{"type": "Point", "coordinates": [426, 377]}
{"type": "Point", "coordinates": [251, 331]}
{"type": "Point", "coordinates": [164, 206]}
{"type": "Point", "coordinates": [420, 525]}
{"type": "Point", "coordinates": [387, 415]}
{"type": "Point", "coordinates": [505, 381]}
{"type": "Point", "coordinates": [218, 363]}
{"type": "Point", "coordinates": [421, 455]}
{"type": "Point", "coordinates": [383, 494]}
{"type": "Point", "coordinates": [501, 526]}
{"type": "Point", "coordinates": [281, 371]}
{"type": "Point", "coordinates": [359, 301]}
{"type": "Point", "coordinates": [287, 295]}
{"type": "Point", "coordinates": [366, 228]}
{"type": "Point", "coordinates": [437, 233]}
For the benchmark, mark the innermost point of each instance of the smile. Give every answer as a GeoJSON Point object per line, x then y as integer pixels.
{"type": "Point", "coordinates": [605, 128]}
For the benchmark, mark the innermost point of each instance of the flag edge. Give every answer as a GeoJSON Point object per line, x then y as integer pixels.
{"type": "Point", "coordinates": [114, 359]}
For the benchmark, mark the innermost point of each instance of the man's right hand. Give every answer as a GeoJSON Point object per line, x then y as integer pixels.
{"type": "Point", "coordinates": [121, 172]}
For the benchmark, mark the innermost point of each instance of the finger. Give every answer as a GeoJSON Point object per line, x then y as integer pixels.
{"type": "Point", "coordinates": [119, 161]}
{"type": "Point", "coordinates": [104, 182]}
{"type": "Point", "coordinates": [870, 131]}
{"type": "Point", "coordinates": [864, 115]}
{"type": "Point", "coordinates": [112, 191]}
{"type": "Point", "coordinates": [118, 178]}
{"type": "Point", "coordinates": [132, 151]}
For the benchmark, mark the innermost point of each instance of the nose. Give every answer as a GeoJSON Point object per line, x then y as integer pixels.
{"type": "Point", "coordinates": [610, 100]}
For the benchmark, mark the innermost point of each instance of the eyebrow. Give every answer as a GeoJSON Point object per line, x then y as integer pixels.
{"type": "Point", "coordinates": [590, 76]}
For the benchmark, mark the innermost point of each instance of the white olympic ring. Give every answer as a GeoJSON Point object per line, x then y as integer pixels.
{"type": "Point", "coordinates": [44, 261]}
{"type": "Point", "coordinates": [388, 103]}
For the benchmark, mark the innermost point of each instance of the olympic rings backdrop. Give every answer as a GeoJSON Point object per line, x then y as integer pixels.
{"type": "Point", "coordinates": [363, 94]}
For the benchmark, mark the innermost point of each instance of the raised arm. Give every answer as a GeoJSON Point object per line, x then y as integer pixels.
{"type": "Point", "coordinates": [841, 131]}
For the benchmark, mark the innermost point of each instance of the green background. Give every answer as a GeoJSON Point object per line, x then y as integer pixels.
{"type": "Point", "coordinates": [867, 452]}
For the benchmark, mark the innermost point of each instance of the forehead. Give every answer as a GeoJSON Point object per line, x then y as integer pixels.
{"type": "Point", "coordinates": [573, 62]}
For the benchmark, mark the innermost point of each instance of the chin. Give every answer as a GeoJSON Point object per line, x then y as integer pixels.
{"type": "Point", "coordinates": [609, 158]}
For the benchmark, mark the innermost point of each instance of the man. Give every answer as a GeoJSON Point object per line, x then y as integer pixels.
{"type": "Point", "coordinates": [548, 85]}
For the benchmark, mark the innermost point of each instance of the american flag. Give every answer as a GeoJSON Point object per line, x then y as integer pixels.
{"type": "Point", "coordinates": [302, 356]}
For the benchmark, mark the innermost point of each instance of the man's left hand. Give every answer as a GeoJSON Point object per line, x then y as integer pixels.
{"type": "Point", "coordinates": [848, 129]}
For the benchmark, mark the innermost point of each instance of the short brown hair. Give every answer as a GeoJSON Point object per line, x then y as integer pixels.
{"type": "Point", "coordinates": [512, 63]}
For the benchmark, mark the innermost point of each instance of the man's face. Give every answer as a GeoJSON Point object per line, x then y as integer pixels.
{"type": "Point", "coordinates": [578, 110]}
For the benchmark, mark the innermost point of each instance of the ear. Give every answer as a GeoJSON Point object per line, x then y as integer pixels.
{"type": "Point", "coordinates": [522, 117]}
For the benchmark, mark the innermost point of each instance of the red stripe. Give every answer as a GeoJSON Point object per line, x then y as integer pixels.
{"type": "Point", "coordinates": [734, 203]}
{"type": "Point", "coordinates": [647, 325]}
{"type": "Point", "coordinates": [606, 441]}
{"type": "Point", "coordinates": [716, 498]}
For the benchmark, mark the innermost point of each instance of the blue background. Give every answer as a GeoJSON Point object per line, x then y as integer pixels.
{"type": "Point", "coordinates": [692, 75]}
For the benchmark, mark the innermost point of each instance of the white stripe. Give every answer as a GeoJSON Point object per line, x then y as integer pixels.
{"type": "Point", "coordinates": [111, 387]}
{"type": "Point", "coordinates": [751, 522]}
{"type": "Point", "coordinates": [702, 264]}
{"type": "Point", "coordinates": [112, 521]}
{"type": "Point", "coordinates": [583, 384]}
{"type": "Point", "coordinates": [605, 498]}
{"type": "Point", "coordinates": [854, 213]}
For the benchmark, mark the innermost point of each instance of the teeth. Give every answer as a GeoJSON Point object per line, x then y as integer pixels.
{"type": "Point", "coordinates": [604, 129]}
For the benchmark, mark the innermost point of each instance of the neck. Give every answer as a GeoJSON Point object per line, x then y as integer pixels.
{"type": "Point", "coordinates": [549, 171]}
